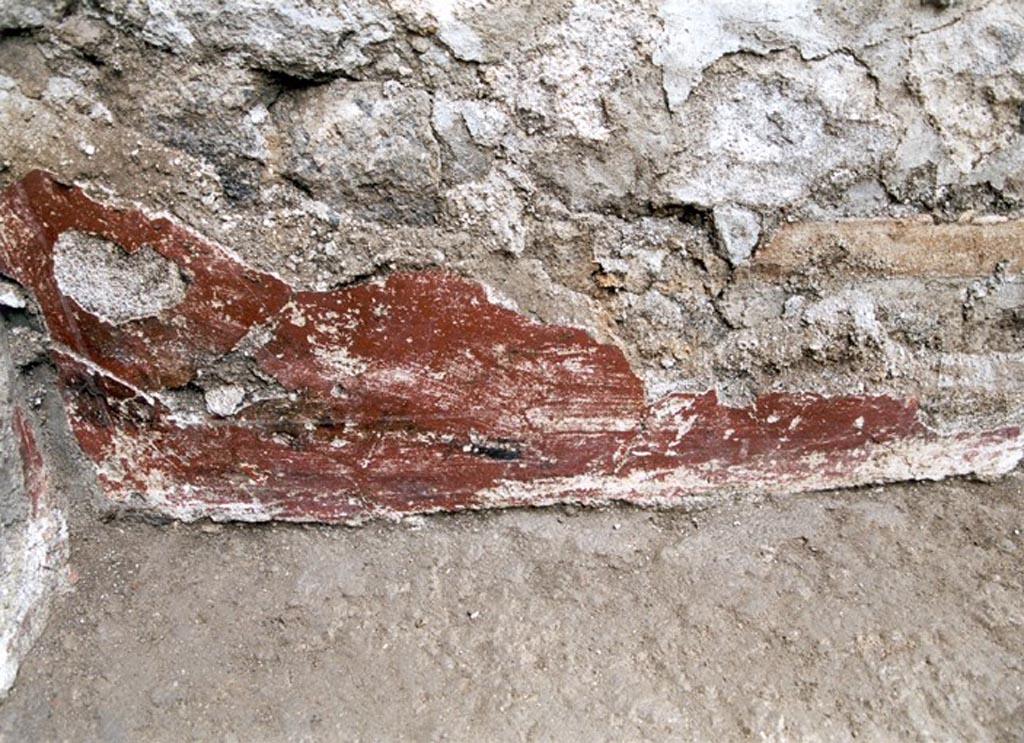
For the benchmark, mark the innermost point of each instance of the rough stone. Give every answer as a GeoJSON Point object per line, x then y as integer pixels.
{"type": "Point", "coordinates": [300, 38]}
{"type": "Point", "coordinates": [25, 14]}
{"type": "Point", "coordinates": [368, 144]}
{"type": "Point", "coordinates": [738, 232]}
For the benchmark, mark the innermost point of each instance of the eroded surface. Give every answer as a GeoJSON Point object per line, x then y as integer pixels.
{"type": "Point", "coordinates": [408, 394]}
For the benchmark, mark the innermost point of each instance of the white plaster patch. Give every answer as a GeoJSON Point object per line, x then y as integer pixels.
{"type": "Point", "coordinates": [109, 282]}
{"type": "Point", "coordinates": [698, 33]}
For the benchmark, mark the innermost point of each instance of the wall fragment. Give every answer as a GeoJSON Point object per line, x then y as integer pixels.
{"type": "Point", "coordinates": [33, 529]}
{"type": "Point", "coordinates": [413, 392]}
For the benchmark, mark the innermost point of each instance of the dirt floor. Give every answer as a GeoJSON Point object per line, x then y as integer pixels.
{"type": "Point", "coordinates": [880, 614]}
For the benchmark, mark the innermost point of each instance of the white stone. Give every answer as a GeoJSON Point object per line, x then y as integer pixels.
{"type": "Point", "coordinates": [738, 232]}
{"type": "Point", "coordinates": [12, 295]}
{"type": "Point", "coordinates": [299, 38]}
{"type": "Point", "coordinates": [224, 400]}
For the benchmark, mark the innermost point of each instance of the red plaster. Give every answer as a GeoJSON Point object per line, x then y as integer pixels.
{"type": "Point", "coordinates": [224, 299]}
{"type": "Point", "coordinates": [410, 394]}
{"type": "Point", "coordinates": [33, 468]}
{"type": "Point", "coordinates": [791, 424]}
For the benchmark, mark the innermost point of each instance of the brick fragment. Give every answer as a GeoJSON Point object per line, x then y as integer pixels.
{"type": "Point", "coordinates": [884, 248]}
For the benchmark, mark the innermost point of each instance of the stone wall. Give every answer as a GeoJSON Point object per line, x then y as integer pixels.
{"type": "Point", "coordinates": [653, 251]}
{"type": "Point", "coordinates": [605, 165]}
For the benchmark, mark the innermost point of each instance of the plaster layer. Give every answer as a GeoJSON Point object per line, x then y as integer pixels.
{"type": "Point", "coordinates": [745, 198]}
{"type": "Point", "coordinates": [416, 393]}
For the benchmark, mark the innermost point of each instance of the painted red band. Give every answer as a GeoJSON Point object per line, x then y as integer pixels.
{"type": "Point", "coordinates": [411, 394]}
{"type": "Point", "coordinates": [33, 468]}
